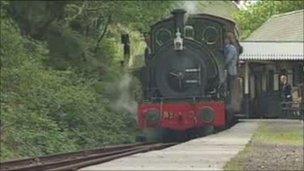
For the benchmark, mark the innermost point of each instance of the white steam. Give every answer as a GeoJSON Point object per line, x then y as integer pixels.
{"type": "Point", "coordinates": [125, 101]}
{"type": "Point", "coordinates": [191, 7]}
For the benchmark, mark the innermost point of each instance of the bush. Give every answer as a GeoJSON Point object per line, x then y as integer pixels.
{"type": "Point", "coordinates": [46, 111]}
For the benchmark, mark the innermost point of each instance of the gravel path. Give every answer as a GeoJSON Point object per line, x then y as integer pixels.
{"type": "Point", "coordinates": [207, 153]}
{"type": "Point", "coordinates": [275, 157]}
{"type": "Point", "coordinates": [278, 147]}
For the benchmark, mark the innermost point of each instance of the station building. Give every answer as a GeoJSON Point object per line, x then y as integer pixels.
{"type": "Point", "coordinates": [274, 49]}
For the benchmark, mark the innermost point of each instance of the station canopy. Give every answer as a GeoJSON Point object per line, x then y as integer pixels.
{"type": "Point", "coordinates": [279, 38]}
{"type": "Point", "coordinates": [282, 27]}
{"type": "Point", "coordinates": [272, 51]}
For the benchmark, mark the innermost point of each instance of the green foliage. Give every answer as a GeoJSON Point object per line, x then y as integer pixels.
{"type": "Point", "coordinates": [47, 111]}
{"type": "Point", "coordinates": [25, 129]}
{"type": "Point", "coordinates": [249, 20]}
{"type": "Point", "coordinates": [141, 14]}
{"type": "Point", "coordinates": [77, 31]}
{"type": "Point", "coordinates": [290, 134]}
{"type": "Point", "coordinates": [61, 82]}
{"type": "Point", "coordinates": [34, 16]}
{"type": "Point", "coordinates": [93, 15]}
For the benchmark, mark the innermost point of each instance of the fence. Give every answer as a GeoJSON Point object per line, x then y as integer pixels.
{"type": "Point", "coordinates": [292, 110]}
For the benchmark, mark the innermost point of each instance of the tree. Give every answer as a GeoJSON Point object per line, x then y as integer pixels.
{"type": "Point", "coordinates": [76, 30]}
{"type": "Point", "coordinates": [93, 17]}
{"type": "Point", "coordinates": [51, 107]}
{"type": "Point", "coordinates": [34, 17]}
{"type": "Point", "coordinates": [249, 20]}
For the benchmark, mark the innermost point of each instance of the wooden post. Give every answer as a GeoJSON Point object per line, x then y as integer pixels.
{"type": "Point", "coordinates": [126, 42]}
{"type": "Point", "coordinates": [246, 98]}
{"type": "Point", "coordinates": [246, 78]}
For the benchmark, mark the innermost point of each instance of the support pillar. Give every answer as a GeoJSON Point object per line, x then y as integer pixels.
{"type": "Point", "coordinates": [246, 100]}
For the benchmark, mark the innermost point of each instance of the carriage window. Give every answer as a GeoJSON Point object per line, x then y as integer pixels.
{"type": "Point", "coordinates": [210, 35]}
{"type": "Point", "coordinates": [270, 76]}
{"type": "Point", "coordinates": [189, 33]}
{"type": "Point", "coordinates": [162, 36]}
{"type": "Point", "coordinates": [297, 75]}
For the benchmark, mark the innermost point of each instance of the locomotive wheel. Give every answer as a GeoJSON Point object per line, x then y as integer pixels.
{"type": "Point", "coordinates": [206, 130]}
{"type": "Point", "coordinates": [153, 134]}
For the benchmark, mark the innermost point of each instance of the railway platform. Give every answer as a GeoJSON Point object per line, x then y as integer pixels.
{"type": "Point", "coordinates": [206, 153]}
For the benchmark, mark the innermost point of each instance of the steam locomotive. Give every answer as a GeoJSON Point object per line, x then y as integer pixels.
{"type": "Point", "coordinates": [184, 79]}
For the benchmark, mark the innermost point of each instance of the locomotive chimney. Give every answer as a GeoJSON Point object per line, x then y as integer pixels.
{"type": "Point", "coordinates": [179, 15]}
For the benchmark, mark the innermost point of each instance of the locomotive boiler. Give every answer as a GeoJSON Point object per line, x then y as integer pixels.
{"type": "Point", "coordinates": [184, 79]}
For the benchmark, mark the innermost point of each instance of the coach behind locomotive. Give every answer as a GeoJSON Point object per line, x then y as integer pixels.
{"type": "Point", "coordinates": [184, 81]}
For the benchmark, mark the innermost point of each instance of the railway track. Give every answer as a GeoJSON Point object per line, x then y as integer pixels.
{"type": "Point", "coordinates": [79, 159]}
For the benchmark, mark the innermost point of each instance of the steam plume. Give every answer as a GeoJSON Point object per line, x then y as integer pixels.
{"type": "Point", "coordinates": [191, 7]}
{"type": "Point", "coordinates": [125, 101]}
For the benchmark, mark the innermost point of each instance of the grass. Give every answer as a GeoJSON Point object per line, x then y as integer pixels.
{"type": "Point", "coordinates": [268, 133]}
{"type": "Point", "coordinates": [237, 163]}
{"type": "Point", "coordinates": [276, 134]}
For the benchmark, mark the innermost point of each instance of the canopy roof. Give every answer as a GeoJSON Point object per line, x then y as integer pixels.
{"type": "Point", "coordinates": [281, 27]}
{"type": "Point", "coordinates": [272, 51]}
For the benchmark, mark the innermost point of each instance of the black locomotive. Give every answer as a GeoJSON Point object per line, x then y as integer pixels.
{"type": "Point", "coordinates": [184, 80]}
{"type": "Point", "coordinates": [196, 69]}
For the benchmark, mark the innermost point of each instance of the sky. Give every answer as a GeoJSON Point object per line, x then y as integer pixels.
{"type": "Point", "coordinates": [245, 3]}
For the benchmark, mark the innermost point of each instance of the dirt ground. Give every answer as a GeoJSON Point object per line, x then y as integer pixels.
{"type": "Point", "coordinates": [276, 146]}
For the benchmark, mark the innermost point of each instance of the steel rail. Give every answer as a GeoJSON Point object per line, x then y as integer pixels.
{"type": "Point", "coordinates": [76, 160]}
{"type": "Point", "coordinates": [61, 156]}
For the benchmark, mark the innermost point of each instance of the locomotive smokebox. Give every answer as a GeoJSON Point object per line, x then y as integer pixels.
{"type": "Point", "coordinates": [179, 15]}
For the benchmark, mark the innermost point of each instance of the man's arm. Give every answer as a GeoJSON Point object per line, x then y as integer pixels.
{"type": "Point", "coordinates": [231, 54]}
